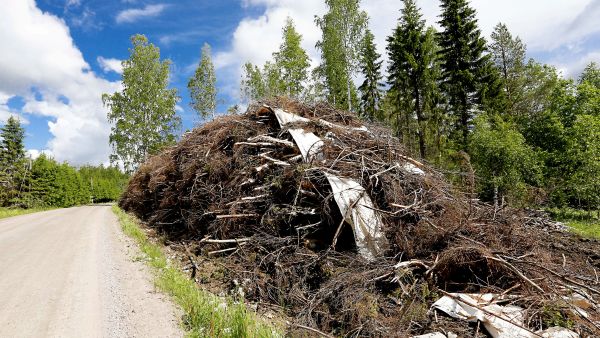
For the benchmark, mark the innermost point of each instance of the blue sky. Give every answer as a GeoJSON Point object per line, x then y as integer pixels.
{"type": "Point", "coordinates": [59, 56]}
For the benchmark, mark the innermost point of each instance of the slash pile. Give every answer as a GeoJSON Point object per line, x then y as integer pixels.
{"type": "Point", "coordinates": [323, 216]}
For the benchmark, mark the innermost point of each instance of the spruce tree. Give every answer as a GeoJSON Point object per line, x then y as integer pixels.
{"type": "Point", "coordinates": [143, 115]}
{"type": "Point", "coordinates": [465, 67]}
{"type": "Point", "coordinates": [203, 86]}
{"type": "Point", "coordinates": [412, 69]}
{"type": "Point", "coordinates": [371, 70]}
{"type": "Point", "coordinates": [12, 149]}
{"type": "Point", "coordinates": [292, 60]}
{"type": "Point", "coordinates": [12, 160]}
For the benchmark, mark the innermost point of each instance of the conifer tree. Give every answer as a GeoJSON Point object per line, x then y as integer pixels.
{"type": "Point", "coordinates": [143, 115]}
{"type": "Point", "coordinates": [203, 86]}
{"type": "Point", "coordinates": [465, 68]}
{"type": "Point", "coordinates": [12, 160]}
{"type": "Point", "coordinates": [412, 69]}
{"type": "Point", "coordinates": [371, 70]}
{"type": "Point", "coordinates": [292, 60]}
{"type": "Point", "coordinates": [12, 149]}
{"type": "Point", "coordinates": [343, 27]}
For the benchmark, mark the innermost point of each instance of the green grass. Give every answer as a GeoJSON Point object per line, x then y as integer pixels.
{"type": "Point", "coordinates": [205, 315]}
{"type": "Point", "coordinates": [10, 212]}
{"type": "Point", "coordinates": [590, 229]}
{"type": "Point", "coordinates": [584, 223]}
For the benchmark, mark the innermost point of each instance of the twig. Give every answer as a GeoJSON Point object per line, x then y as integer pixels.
{"type": "Point", "coordinates": [248, 199]}
{"type": "Point", "coordinates": [275, 161]}
{"type": "Point", "coordinates": [253, 144]}
{"type": "Point", "coordinates": [413, 161]}
{"type": "Point", "coordinates": [322, 334]}
{"type": "Point", "coordinates": [519, 273]}
{"type": "Point", "coordinates": [235, 240]}
{"type": "Point", "coordinates": [192, 261]}
{"type": "Point", "coordinates": [269, 139]}
{"type": "Point", "coordinates": [225, 250]}
{"type": "Point", "coordinates": [236, 216]}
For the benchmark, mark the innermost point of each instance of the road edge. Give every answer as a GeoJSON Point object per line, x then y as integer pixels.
{"type": "Point", "coordinates": [205, 314]}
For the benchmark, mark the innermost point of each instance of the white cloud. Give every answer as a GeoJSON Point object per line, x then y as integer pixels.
{"type": "Point", "coordinates": [42, 56]}
{"type": "Point", "coordinates": [134, 14]}
{"type": "Point", "coordinates": [35, 153]}
{"type": "Point", "coordinates": [573, 68]}
{"type": "Point", "coordinates": [73, 3]}
{"type": "Point", "coordinates": [110, 65]}
{"type": "Point", "coordinates": [86, 19]}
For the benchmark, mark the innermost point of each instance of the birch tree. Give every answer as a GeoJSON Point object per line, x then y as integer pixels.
{"type": "Point", "coordinates": [142, 115]}
{"type": "Point", "coordinates": [343, 28]}
{"type": "Point", "coordinates": [203, 86]}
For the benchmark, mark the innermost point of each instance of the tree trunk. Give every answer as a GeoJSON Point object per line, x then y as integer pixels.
{"type": "Point", "coordinates": [464, 121]}
{"type": "Point", "coordinates": [349, 96]}
{"type": "Point", "coordinates": [420, 131]}
{"type": "Point", "coordinates": [495, 196]}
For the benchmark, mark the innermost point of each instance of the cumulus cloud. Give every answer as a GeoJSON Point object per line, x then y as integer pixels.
{"type": "Point", "coordinates": [46, 69]}
{"type": "Point", "coordinates": [110, 65]}
{"type": "Point", "coordinates": [134, 14]}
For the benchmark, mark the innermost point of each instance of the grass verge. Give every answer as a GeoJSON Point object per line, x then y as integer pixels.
{"type": "Point", "coordinates": [589, 229]}
{"type": "Point", "coordinates": [10, 212]}
{"type": "Point", "coordinates": [205, 315]}
{"type": "Point", "coordinates": [584, 223]}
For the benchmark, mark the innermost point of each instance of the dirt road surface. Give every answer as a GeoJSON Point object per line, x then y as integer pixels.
{"type": "Point", "coordinates": [73, 273]}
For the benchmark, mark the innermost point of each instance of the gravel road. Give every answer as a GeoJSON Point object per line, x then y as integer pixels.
{"type": "Point", "coordinates": [73, 273]}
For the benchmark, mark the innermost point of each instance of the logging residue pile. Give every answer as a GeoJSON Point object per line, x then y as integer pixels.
{"type": "Point", "coordinates": [316, 213]}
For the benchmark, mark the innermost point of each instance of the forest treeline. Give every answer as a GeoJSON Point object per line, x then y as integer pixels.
{"type": "Point", "coordinates": [43, 182]}
{"type": "Point", "coordinates": [515, 130]}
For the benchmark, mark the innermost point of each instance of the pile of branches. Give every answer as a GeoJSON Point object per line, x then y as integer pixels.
{"type": "Point", "coordinates": [238, 192]}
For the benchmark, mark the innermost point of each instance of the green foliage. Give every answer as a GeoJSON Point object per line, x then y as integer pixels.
{"type": "Point", "coordinates": [203, 86]}
{"type": "Point", "coordinates": [591, 75]}
{"type": "Point", "coordinates": [465, 67]}
{"type": "Point", "coordinates": [257, 83]}
{"type": "Point", "coordinates": [12, 160]}
{"type": "Point", "coordinates": [284, 76]}
{"type": "Point", "coordinates": [143, 115]}
{"type": "Point", "coordinates": [292, 61]}
{"type": "Point", "coordinates": [105, 183]}
{"type": "Point", "coordinates": [371, 86]}
{"type": "Point", "coordinates": [585, 181]}
{"type": "Point", "coordinates": [508, 55]}
{"type": "Point", "coordinates": [503, 162]}
{"type": "Point", "coordinates": [343, 27]}
{"type": "Point", "coordinates": [51, 184]}
{"type": "Point", "coordinates": [413, 71]}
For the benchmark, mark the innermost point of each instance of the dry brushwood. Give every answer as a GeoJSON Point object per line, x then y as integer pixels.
{"type": "Point", "coordinates": [238, 193]}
